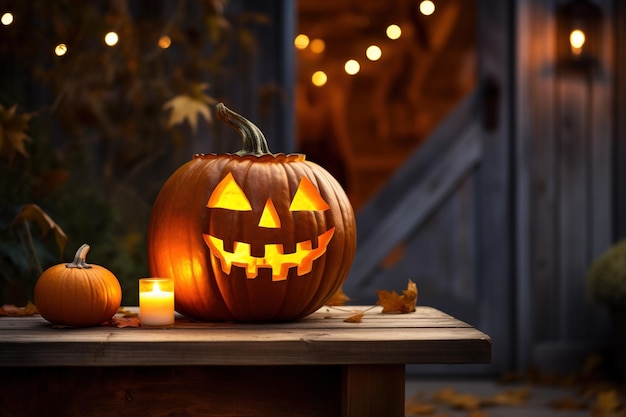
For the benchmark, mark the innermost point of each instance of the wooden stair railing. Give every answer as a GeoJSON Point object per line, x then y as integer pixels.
{"type": "Point", "coordinates": [412, 194]}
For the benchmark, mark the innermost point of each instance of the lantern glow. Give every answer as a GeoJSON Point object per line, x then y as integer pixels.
{"type": "Point", "coordinates": [577, 40]}
{"type": "Point", "coordinates": [578, 37]}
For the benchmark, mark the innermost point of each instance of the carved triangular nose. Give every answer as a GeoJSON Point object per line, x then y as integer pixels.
{"type": "Point", "coordinates": [269, 217]}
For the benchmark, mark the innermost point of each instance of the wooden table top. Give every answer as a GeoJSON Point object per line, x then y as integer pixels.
{"type": "Point", "coordinates": [323, 338]}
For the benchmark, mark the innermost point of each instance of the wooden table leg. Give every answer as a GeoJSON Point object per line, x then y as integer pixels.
{"type": "Point", "coordinates": [373, 390]}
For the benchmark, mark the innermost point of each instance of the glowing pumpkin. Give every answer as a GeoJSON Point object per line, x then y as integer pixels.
{"type": "Point", "coordinates": [251, 236]}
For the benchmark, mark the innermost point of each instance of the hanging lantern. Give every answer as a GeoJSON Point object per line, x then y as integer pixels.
{"type": "Point", "coordinates": [579, 24]}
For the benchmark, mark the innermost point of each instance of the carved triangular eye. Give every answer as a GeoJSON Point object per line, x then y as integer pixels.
{"type": "Point", "coordinates": [228, 195]}
{"type": "Point", "coordinates": [307, 197]}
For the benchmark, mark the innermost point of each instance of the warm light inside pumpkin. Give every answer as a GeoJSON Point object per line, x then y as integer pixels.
{"type": "Point", "coordinates": [269, 217]}
{"type": "Point", "coordinates": [156, 302]}
{"type": "Point", "coordinates": [229, 195]}
{"type": "Point", "coordinates": [577, 40]}
{"type": "Point", "coordinates": [307, 197]}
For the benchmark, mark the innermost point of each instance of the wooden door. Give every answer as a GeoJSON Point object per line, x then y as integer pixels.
{"type": "Point", "coordinates": [445, 219]}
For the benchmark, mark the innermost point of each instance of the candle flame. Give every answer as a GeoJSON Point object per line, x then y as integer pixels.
{"type": "Point", "coordinates": [156, 287]}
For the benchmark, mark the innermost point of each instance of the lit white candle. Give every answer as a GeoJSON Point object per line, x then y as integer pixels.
{"type": "Point", "coordinates": [156, 302]}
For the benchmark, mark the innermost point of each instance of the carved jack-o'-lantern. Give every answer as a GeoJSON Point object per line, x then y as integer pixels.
{"type": "Point", "coordinates": [251, 236]}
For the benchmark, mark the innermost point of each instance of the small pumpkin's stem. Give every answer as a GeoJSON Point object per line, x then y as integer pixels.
{"type": "Point", "coordinates": [79, 259]}
{"type": "Point", "coordinates": [254, 142]}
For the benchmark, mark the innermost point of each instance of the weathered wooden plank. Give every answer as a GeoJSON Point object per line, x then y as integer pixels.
{"type": "Point", "coordinates": [373, 391]}
{"type": "Point", "coordinates": [294, 391]}
{"type": "Point", "coordinates": [395, 339]}
{"type": "Point", "coordinates": [412, 207]}
{"type": "Point", "coordinates": [574, 207]}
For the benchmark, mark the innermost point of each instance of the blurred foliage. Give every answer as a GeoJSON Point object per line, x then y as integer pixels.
{"type": "Point", "coordinates": [607, 276]}
{"type": "Point", "coordinates": [90, 136]}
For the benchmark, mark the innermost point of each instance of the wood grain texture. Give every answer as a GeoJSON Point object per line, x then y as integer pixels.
{"type": "Point", "coordinates": [426, 336]}
{"type": "Point", "coordinates": [303, 391]}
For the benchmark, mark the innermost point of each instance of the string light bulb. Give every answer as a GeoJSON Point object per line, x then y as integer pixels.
{"type": "Point", "coordinates": [317, 46]}
{"type": "Point", "coordinates": [577, 40]}
{"type": "Point", "coordinates": [165, 42]}
{"type": "Point", "coordinates": [393, 32]}
{"type": "Point", "coordinates": [319, 78]}
{"type": "Point", "coordinates": [301, 41]}
{"type": "Point", "coordinates": [111, 39]}
{"type": "Point", "coordinates": [60, 49]}
{"type": "Point", "coordinates": [6, 19]}
{"type": "Point", "coordinates": [352, 67]}
{"type": "Point", "coordinates": [427, 7]}
{"type": "Point", "coordinates": [373, 52]}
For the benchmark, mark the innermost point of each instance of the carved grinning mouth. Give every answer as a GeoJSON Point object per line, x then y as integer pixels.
{"type": "Point", "coordinates": [274, 258]}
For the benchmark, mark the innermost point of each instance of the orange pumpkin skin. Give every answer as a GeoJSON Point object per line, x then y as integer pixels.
{"type": "Point", "coordinates": [77, 294]}
{"type": "Point", "coordinates": [183, 224]}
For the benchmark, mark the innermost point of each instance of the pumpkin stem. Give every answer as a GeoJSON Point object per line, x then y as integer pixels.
{"type": "Point", "coordinates": [79, 259]}
{"type": "Point", "coordinates": [254, 142]}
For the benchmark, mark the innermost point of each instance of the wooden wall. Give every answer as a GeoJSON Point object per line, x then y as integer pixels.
{"type": "Point", "coordinates": [564, 136]}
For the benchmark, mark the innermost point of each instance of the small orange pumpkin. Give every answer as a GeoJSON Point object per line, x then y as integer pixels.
{"type": "Point", "coordinates": [78, 293]}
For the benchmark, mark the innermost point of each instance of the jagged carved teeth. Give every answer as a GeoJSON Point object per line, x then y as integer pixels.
{"type": "Point", "coordinates": [274, 258]}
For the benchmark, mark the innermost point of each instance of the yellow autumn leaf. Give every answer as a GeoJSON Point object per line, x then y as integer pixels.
{"type": "Point", "coordinates": [607, 402]}
{"type": "Point", "coordinates": [190, 107]}
{"type": "Point", "coordinates": [13, 311]}
{"type": "Point", "coordinates": [356, 318]}
{"type": "Point", "coordinates": [392, 302]}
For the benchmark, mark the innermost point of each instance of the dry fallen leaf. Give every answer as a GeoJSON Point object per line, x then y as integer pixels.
{"type": "Point", "coordinates": [13, 311]}
{"type": "Point", "coordinates": [513, 397]}
{"type": "Point", "coordinates": [126, 313]}
{"type": "Point", "coordinates": [413, 407]}
{"type": "Point", "coordinates": [122, 322]}
{"type": "Point", "coordinates": [392, 302]}
{"type": "Point", "coordinates": [606, 402]}
{"type": "Point", "coordinates": [355, 318]}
